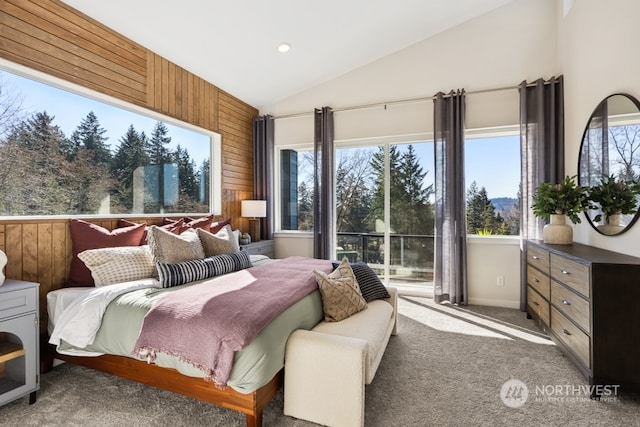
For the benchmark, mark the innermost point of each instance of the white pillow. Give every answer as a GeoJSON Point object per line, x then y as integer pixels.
{"type": "Point", "coordinates": [118, 264]}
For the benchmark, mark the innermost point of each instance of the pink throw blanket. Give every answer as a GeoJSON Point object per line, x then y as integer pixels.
{"type": "Point", "coordinates": [205, 324]}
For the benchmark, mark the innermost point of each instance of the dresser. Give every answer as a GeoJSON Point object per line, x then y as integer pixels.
{"type": "Point", "coordinates": [19, 341]}
{"type": "Point", "coordinates": [263, 247]}
{"type": "Point", "coordinates": [588, 300]}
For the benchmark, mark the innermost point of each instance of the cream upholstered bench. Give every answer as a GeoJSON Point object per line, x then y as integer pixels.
{"type": "Point", "coordinates": [326, 368]}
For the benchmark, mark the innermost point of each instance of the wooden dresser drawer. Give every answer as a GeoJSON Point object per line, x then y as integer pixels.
{"type": "Point", "coordinates": [576, 340]}
{"type": "Point", "coordinates": [538, 257]}
{"type": "Point", "coordinates": [538, 281]}
{"type": "Point", "coordinates": [538, 305]}
{"type": "Point", "coordinates": [571, 305]}
{"type": "Point", "coordinates": [572, 274]}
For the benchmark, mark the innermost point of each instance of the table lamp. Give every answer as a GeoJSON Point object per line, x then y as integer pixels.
{"type": "Point", "coordinates": [254, 209]}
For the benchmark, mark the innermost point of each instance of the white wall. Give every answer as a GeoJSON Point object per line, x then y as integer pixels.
{"type": "Point", "coordinates": [501, 49]}
{"type": "Point", "coordinates": [598, 55]}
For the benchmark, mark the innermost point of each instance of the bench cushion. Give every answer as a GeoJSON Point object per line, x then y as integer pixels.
{"type": "Point", "coordinates": [371, 325]}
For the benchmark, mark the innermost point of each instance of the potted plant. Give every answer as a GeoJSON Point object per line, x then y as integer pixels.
{"type": "Point", "coordinates": [614, 198]}
{"type": "Point", "coordinates": [556, 202]}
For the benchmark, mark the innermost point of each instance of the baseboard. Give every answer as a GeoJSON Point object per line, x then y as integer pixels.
{"type": "Point", "coordinates": [495, 302]}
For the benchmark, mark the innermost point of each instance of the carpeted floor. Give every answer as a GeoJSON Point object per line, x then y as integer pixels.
{"type": "Point", "coordinates": [446, 367]}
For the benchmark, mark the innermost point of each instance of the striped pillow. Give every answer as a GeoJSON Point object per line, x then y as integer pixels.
{"type": "Point", "coordinates": [370, 285]}
{"type": "Point", "coordinates": [198, 269]}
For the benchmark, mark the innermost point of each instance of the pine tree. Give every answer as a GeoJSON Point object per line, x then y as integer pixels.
{"type": "Point", "coordinates": [89, 135]}
{"type": "Point", "coordinates": [481, 213]}
{"type": "Point", "coordinates": [130, 154]}
{"type": "Point", "coordinates": [157, 148]}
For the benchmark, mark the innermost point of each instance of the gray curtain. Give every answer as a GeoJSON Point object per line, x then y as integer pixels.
{"type": "Point", "coordinates": [323, 197]}
{"type": "Point", "coordinates": [542, 155]}
{"type": "Point", "coordinates": [450, 269]}
{"type": "Point", "coordinates": [263, 164]}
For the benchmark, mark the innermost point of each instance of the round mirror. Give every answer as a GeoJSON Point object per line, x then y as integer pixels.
{"type": "Point", "coordinates": [610, 160]}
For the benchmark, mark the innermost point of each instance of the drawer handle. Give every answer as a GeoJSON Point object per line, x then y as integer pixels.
{"type": "Point", "coordinates": [565, 302]}
{"type": "Point", "coordinates": [535, 279]}
{"type": "Point", "coordinates": [565, 272]}
{"type": "Point", "coordinates": [536, 303]}
{"type": "Point", "coordinates": [564, 331]}
{"type": "Point", "coordinates": [536, 257]}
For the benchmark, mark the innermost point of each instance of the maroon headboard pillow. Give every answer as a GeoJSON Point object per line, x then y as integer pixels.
{"type": "Point", "coordinates": [85, 235]}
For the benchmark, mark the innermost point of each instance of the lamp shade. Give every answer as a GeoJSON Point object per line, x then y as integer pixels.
{"type": "Point", "coordinates": [254, 208]}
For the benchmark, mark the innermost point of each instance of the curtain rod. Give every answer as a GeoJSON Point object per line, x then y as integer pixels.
{"type": "Point", "coordinates": [400, 101]}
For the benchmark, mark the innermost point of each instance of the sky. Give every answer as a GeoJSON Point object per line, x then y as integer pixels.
{"type": "Point", "coordinates": [69, 109]}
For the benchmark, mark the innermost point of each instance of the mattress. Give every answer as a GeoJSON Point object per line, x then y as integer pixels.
{"type": "Point", "coordinates": [253, 367]}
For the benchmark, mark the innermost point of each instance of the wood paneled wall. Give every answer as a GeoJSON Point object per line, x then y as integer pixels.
{"type": "Point", "coordinates": [51, 37]}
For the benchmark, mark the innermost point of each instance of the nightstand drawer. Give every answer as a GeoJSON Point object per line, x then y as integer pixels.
{"type": "Point", "coordinates": [17, 302]}
{"type": "Point", "coordinates": [576, 340]}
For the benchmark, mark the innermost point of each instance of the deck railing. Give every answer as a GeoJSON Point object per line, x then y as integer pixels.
{"type": "Point", "coordinates": [411, 255]}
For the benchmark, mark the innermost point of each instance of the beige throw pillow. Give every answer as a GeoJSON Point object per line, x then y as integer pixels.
{"type": "Point", "coordinates": [222, 242]}
{"type": "Point", "coordinates": [341, 295]}
{"type": "Point", "coordinates": [171, 248]}
{"type": "Point", "coordinates": [119, 264]}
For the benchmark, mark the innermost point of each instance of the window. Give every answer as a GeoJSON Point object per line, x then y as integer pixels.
{"type": "Point", "coordinates": [492, 176]}
{"type": "Point", "coordinates": [296, 189]}
{"type": "Point", "coordinates": [66, 154]}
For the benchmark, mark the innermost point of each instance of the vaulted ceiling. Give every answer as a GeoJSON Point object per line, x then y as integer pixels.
{"type": "Point", "coordinates": [234, 44]}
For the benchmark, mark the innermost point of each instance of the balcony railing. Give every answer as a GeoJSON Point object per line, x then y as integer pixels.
{"type": "Point", "coordinates": [410, 261]}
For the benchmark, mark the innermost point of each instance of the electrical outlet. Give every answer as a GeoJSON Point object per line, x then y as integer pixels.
{"type": "Point", "coordinates": [500, 281]}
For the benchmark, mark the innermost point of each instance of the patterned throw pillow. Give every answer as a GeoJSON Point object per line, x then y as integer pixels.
{"type": "Point", "coordinates": [85, 235]}
{"type": "Point", "coordinates": [190, 271]}
{"type": "Point", "coordinates": [370, 285]}
{"type": "Point", "coordinates": [222, 242]}
{"type": "Point", "coordinates": [171, 248]}
{"type": "Point", "coordinates": [341, 295]}
{"type": "Point", "coordinates": [119, 264]}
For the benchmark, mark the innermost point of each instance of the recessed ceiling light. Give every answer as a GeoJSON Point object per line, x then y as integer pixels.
{"type": "Point", "coordinates": [284, 47]}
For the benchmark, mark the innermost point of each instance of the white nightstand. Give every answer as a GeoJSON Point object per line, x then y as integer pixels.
{"type": "Point", "coordinates": [263, 247]}
{"type": "Point", "coordinates": [19, 341]}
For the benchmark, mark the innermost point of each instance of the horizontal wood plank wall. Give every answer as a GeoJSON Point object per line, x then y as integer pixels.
{"type": "Point", "coordinates": [52, 37]}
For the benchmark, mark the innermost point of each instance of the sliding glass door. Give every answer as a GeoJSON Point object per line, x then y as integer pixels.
{"type": "Point", "coordinates": [384, 211]}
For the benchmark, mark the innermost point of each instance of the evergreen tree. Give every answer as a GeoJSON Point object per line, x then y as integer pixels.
{"type": "Point", "coordinates": [89, 135]}
{"type": "Point", "coordinates": [157, 148]}
{"type": "Point", "coordinates": [481, 213]}
{"type": "Point", "coordinates": [130, 154]}
{"type": "Point", "coordinates": [39, 170]}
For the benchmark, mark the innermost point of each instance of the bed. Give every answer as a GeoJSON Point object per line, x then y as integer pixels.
{"type": "Point", "coordinates": [257, 372]}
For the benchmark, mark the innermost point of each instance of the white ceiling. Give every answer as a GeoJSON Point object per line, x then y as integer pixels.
{"type": "Point", "coordinates": [233, 44]}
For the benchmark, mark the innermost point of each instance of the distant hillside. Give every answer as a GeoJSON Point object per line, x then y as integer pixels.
{"type": "Point", "coordinates": [504, 203]}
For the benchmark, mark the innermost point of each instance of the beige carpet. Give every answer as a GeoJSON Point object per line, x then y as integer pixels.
{"type": "Point", "coordinates": [446, 367]}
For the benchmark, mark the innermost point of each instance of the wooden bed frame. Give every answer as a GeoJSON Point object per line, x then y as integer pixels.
{"type": "Point", "coordinates": [252, 404]}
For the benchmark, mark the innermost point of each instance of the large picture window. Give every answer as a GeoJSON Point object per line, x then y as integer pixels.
{"type": "Point", "coordinates": [62, 153]}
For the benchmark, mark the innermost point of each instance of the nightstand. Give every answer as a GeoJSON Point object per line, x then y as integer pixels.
{"type": "Point", "coordinates": [19, 341]}
{"type": "Point", "coordinates": [263, 247]}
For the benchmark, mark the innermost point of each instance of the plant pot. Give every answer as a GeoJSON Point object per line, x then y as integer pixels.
{"type": "Point", "coordinates": [558, 232]}
{"type": "Point", "coordinates": [612, 225]}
